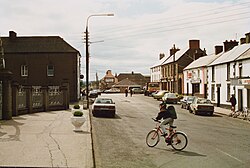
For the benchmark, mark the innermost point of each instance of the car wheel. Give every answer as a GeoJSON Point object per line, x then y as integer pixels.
{"type": "Point", "coordinates": [190, 111]}
{"type": "Point", "coordinates": [211, 113]}
{"type": "Point", "coordinates": [195, 112]}
{"type": "Point", "coordinates": [181, 106]}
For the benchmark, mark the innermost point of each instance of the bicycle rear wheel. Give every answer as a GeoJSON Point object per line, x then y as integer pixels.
{"type": "Point", "coordinates": [152, 138]}
{"type": "Point", "coordinates": [179, 141]}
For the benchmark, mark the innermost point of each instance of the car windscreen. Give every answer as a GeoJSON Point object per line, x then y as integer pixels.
{"type": "Point", "coordinates": [203, 101]}
{"type": "Point", "coordinates": [104, 101]}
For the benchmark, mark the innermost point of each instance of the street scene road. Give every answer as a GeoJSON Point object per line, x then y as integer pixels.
{"type": "Point", "coordinates": [213, 141]}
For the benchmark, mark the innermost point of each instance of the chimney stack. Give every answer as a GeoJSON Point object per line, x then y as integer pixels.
{"type": "Point", "coordinates": [194, 44]}
{"type": "Point", "coordinates": [228, 45]}
{"type": "Point", "coordinates": [218, 49]}
{"type": "Point", "coordinates": [162, 55]}
{"type": "Point", "coordinates": [247, 37]}
{"type": "Point", "coordinates": [242, 40]}
{"type": "Point", "coordinates": [12, 34]}
{"type": "Point", "coordinates": [173, 51]}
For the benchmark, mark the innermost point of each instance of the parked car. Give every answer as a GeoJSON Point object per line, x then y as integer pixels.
{"type": "Point", "coordinates": [103, 106]}
{"type": "Point", "coordinates": [112, 90]}
{"type": "Point", "coordinates": [160, 94]}
{"type": "Point", "coordinates": [201, 105]}
{"type": "Point", "coordinates": [170, 98]}
{"type": "Point", "coordinates": [154, 93]}
{"type": "Point", "coordinates": [186, 101]}
{"type": "Point", "coordinates": [93, 94]}
{"type": "Point", "coordinates": [137, 91]}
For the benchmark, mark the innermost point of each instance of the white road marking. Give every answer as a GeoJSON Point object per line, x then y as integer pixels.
{"type": "Point", "coordinates": [229, 155]}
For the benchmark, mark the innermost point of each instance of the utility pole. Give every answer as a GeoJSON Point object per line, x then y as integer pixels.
{"type": "Point", "coordinates": [174, 69]}
{"type": "Point", "coordinates": [87, 54]}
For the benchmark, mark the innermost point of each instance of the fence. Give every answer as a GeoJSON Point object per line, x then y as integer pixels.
{"type": "Point", "coordinates": [30, 99]}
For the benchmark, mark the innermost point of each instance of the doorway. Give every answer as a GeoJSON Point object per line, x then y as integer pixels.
{"type": "Point", "coordinates": [240, 100]}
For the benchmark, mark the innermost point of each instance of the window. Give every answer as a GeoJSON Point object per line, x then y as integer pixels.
{"type": "Point", "coordinates": [228, 92]}
{"type": "Point", "coordinates": [24, 70]}
{"type": "Point", "coordinates": [240, 70]}
{"type": "Point", "coordinates": [50, 70]}
{"type": "Point", "coordinates": [212, 73]}
{"type": "Point", "coordinates": [228, 71]}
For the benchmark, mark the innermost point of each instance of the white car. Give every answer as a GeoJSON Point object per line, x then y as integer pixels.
{"type": "Point", "coordinates": [201, 105]}
{"type": "Point", "coordinates": [103, 106]}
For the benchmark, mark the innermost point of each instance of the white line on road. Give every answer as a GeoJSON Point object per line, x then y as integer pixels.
{"type": "Point", "coordinates": [229, 155]}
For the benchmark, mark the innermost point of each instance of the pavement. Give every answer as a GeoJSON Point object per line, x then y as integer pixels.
{"type": "Point", "coordinates": [45, 139]}
{"type": "Point", "coordinates": [222, 111]}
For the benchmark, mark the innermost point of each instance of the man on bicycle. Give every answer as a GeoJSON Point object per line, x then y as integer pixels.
{"type": "Point", "coordinates": [168, 115]}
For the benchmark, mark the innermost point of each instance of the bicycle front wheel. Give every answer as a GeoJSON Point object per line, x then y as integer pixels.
{"type": "Point", "coordinates": [179, 141]}
{"type": "Point", "coordinates": [152, 138]}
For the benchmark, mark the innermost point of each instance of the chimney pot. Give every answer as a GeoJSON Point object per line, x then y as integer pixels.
{"type": "Point", "coordinates": [228, 45]}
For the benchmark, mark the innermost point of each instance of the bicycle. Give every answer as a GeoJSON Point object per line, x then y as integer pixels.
{"type": "Point", "coordinates": [178, 139]}
{"type": "Point", "coordinates": [244, 113]}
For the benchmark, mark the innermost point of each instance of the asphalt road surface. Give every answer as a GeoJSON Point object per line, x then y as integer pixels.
{"type": "Point", "coordinates": [214, 142]}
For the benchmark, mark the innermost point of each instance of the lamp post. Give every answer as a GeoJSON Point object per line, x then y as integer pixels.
{"type": "Point", "coordinates": [87, 54]}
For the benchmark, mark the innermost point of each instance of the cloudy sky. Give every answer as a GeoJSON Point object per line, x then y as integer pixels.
{"type": "Point", "coordinates": [138, 32]}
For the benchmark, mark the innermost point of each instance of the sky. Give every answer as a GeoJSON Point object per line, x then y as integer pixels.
{"type": "Point", "coordinates": [139, 31]}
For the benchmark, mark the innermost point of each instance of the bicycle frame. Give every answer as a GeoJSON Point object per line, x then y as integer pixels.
{"type": "Point", "coordinates": [177, 139]}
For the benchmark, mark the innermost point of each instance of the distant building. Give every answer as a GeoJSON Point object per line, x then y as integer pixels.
{"type": "Point", "coordinates": [108, 81]}
{"type": "Point", "coordinates": [168, 71]}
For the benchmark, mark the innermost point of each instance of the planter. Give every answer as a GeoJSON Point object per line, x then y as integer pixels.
{"type": "Point", "coordinates": [78, 121]}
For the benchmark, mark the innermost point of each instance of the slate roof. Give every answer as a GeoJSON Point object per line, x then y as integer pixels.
{"type": "Point", "coordinates": [137, 78]}
{"type": "Point", "coordinates": [231, 55]}
{"type": "Point", "coordinates": [125, 82]}
{"type": "Point", "coordinates": [169, 59]}
{"type": "Point", "coordinates": [245, 55]}
{"type": "Point", "coordinates": [202, 61]}
{"type": "Point", "coordinates": [36, 44]}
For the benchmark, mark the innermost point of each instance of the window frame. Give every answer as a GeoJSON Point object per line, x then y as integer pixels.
{"type": "Point", "coordinates": [24, 70]}
{"type": "Point", "coordinates": [50, 71]}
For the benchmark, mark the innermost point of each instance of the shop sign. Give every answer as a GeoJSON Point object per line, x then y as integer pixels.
{"type": "Point", "coordinates": [196, 81]}
{"type": "Point", "coordinates": [245, 81]}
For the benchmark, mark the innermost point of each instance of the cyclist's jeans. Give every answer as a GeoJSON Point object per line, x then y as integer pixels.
{"type": "Point", "coordinates": [166, 121]}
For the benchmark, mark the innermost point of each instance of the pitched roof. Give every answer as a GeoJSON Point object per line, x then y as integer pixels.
{"type": "Point", "coordinates": [231, 55]}
{"type": "Point", "coordinates": [169, 59]}
{"type": "Point", "coordinates": [125, 82]}
{"type": "Point", "coordinates": [138, 78]}
{"type": "Point", "coordinates": [202, 61]}
{"type": "Point", "coordinates": [245, 55]}
{"type": "Point", "coordinates": [36, 44]}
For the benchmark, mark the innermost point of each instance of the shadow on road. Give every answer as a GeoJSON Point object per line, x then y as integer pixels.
{"type": "Point", "coordinates": [188, 153]}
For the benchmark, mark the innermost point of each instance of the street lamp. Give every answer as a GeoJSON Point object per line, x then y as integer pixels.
{"type": "Point", "coordinates": [87, 54]}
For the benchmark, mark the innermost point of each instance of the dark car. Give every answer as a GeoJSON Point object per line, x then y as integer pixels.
{"type": "Point", "coordinates": [93, 94]}
{"type": "Point", "coordinates": [201, 105]}
{"type": "Point", "coordinates": [186, 101]}
{"type": "Point", "coordinates": [103, 106]}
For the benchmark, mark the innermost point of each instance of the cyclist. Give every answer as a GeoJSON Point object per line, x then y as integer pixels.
{"type": "Point", "coordinates": [168, 115]}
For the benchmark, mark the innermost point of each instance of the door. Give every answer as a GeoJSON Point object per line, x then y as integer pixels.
{"type": "Point", "coordinates": [240, 100]}
{"type": "Point", "coordinates": [218, 96]}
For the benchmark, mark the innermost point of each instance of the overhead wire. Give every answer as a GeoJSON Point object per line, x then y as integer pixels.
{"type": "Point", "coordinates": [143, 30]}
